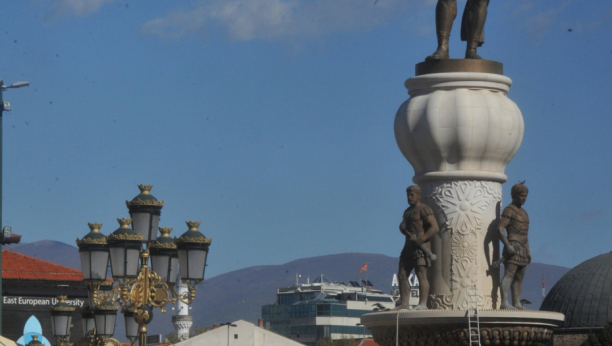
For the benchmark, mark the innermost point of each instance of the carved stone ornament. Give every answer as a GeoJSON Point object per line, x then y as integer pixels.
{"type": "Point", "coordinates": [463, 208]}
{"type": "Point", "coordinates": [456, 336]}
{"type": "Point", "coordinates": [450, 328]}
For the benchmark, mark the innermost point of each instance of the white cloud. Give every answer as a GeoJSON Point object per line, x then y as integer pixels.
{"type": "Point", "coordinates": [79, 8]}
{"type": "Point", "coordinates": [275, 19]}
{"type": "Point", "coordinates": [540, 24]}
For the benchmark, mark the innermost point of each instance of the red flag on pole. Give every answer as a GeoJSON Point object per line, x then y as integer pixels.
{"type": "Point", "coordinates": [365, 267]}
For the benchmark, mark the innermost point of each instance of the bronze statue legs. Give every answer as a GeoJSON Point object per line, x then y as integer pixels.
{"type": "Point", "coordinates": [446, 12]}
{"type": "Point", "coordinates": [474, 17]}
{"type": "Point", "coordinates": [512, 281]}
{"type": "Point", "coordinates": [421, 273]}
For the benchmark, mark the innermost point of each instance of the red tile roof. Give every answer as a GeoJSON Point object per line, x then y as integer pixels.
{"type": "Point", "coordinates": [21, 267]}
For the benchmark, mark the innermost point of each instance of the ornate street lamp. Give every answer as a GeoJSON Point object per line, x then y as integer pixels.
{"type": "Point", "coordinates": [94, 254]}
{"type": "Point", "coordinates": [131, 326]}
{"type": "Point", "coordinates": [105, 315]}
{"type": "Point", "coordinates": [34, 341]}
{"type": "Point", "coordinates": [93, 250]}
{"type": "Point", "coordinates": [89, 322]}
{"type": "Point", "coordinates": [164, 257]}
{"type": "Point", "coordinates": [124, 245]}
{"type": "Point", "coordinates": [145, 211]}
{"type": "Point", "coordinates": [138, 289]}
{"type": "Point", "coordinates": [192, 252]}
{"type": "Point", "coordinates": [61, 319]}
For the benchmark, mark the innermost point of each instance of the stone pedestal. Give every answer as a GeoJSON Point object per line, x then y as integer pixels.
{"type": "Point", "coordinates": [450, 328]}
{"type": "Point", "coordinates": [459, 130]}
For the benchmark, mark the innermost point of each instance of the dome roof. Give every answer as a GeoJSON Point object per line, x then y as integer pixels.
{"type": "Point", "coordinates": [584, 294]}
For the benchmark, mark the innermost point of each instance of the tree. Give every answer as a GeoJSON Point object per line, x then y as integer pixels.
{"type": "Point", "coordinates": [603, 338]}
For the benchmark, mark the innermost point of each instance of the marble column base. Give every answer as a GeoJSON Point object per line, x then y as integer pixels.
{"type": "Point", "coordinates": [450, 327]}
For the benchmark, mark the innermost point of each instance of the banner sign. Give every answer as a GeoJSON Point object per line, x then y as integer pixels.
{"type": "Point", "coordinates": [39, 301]}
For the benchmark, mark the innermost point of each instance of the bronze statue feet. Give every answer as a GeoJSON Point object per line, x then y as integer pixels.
{"type": "Point", "coordinates": [420, 307]}
{"type": "Point", "coordinates": [440, 54]}
{"type": "Point", "coordinates": [506, 306]}
{"type": "Point", "coordinates": [470, 53]}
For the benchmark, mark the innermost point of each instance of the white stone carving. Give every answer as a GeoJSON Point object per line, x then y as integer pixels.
{"type": "Point", "coordinates": [459, 131]}
{"type": "Point", "coordinates": [182, 324]}
{"type": "Point", "coordinates": [466, 209]}
{"type": "Point", "coordinates": [459, 126]}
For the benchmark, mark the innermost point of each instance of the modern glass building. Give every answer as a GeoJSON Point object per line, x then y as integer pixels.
{"type": "Point", "coordinates": [324, 309]}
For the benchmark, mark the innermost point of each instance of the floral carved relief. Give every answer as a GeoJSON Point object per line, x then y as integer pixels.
{"type": "Point", "coordinates": [463, 204]}
{"type": "Point", "coordinates": [419, 335]}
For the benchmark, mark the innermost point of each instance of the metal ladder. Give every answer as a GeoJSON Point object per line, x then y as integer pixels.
{"type": "Point", "coordinates": [471, 294]}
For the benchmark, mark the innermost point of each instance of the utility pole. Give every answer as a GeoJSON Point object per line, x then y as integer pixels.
{"type": "Point", "coordinates": [5, 237]}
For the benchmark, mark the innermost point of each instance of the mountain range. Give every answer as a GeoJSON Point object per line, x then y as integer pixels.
{"type": "Point", "coordinates": [241, 293]}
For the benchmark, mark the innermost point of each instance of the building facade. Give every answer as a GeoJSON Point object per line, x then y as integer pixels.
{"type": "Point", "coordinates": [30, 286]}
{"type": "Point", "coordinates": [324, 309]}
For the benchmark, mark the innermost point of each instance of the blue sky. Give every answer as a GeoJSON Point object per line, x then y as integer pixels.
{"type": "Point", "coordinates": [271, 121]}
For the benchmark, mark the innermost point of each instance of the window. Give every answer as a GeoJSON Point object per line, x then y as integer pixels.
{"type": "Point", "coordinates": [380, 299]}
{"type": "Point", "coordinates": [303, 310]}
{"type": "Point", "coordinates": [235, 336]}
{"type": "Point", "coordinates": [288, 299]}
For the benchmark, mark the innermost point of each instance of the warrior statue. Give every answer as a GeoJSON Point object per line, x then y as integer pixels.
{"type": "Point", "coordinates": [418, 225]}
{"type": "Point", "coordinates": [472, 26]}
{"type": "Point", "coordinates": [516, 254]}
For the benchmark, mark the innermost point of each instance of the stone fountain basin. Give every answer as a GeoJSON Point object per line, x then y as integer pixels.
{"type": "Point", "coordinates": [450, 327]}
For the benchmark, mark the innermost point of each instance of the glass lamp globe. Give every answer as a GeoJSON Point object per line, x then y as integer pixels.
{"type": "Point", "coordinates": [145, 211]}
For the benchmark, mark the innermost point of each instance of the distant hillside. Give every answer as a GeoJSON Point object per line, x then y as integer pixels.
{"type": "Point", "coordinates": [241, 293]}
{"type": "Point", "coordinates": [49, 250]}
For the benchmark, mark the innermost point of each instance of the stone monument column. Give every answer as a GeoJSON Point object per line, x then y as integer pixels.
{"type": "Point", "coordinates": [459, 130]}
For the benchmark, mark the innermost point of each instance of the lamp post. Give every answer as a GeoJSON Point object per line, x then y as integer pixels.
{"type": "Point", "coordinates": [138, 287]}
{"type": "Point", "coordinates": [61, 320]}
{"type": "Point", "coordinates": [4, 106]}
{"type": "Point", "coordinates": [228, 324]}
{"type": "Point", "coordinates": [359, 324]}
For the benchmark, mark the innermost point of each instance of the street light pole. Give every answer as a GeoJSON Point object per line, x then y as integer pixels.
{"type": "Point", "coordinates": [228, 324]}
{"type": "Point", "coordinates": [4, 106]}
{"type": "Point", "coordinates": [359, 324]}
